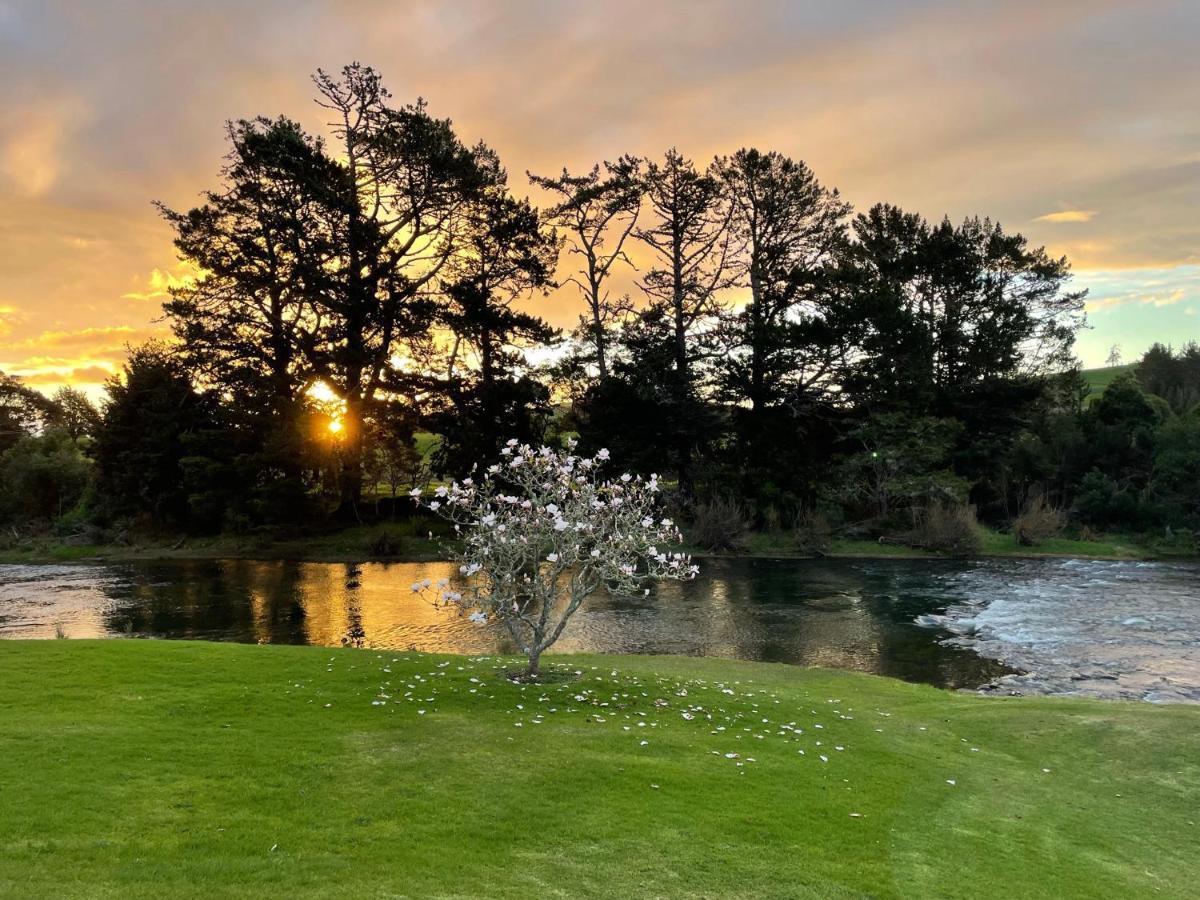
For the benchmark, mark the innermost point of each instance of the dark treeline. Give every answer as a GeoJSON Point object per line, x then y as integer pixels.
{"type": "Point", "coordinates": [362, 320]}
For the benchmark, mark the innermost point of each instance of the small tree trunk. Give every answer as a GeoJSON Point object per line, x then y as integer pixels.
{"type": "Point", "coordinates": [533, 670]}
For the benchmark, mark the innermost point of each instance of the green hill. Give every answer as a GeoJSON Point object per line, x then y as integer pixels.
{"type": "Point", "coordinates": [1099, 379]}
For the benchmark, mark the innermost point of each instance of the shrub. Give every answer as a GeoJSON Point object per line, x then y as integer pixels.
{"type": "Point", "coordinates": [719, 524]}
{"type": "Point", "coordinates": [1103, 503]}
{"type": "Point", "coordinates": [946, 529]}
{"type": "Point", "coordinates": [1038, 521]}
{"type": "Point", "coordinates": [42, 477]}
{"type": "Point", "coordinates": [383, 546]}
{"type": "Point", "coordinates": [814, 533]}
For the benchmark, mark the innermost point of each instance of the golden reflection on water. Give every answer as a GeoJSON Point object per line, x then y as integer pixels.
{"type": "Point", "coordinates": [814, 614]}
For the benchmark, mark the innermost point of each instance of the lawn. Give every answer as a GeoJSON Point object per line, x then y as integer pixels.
{"type": "Point", "coordinates": [160, 769]}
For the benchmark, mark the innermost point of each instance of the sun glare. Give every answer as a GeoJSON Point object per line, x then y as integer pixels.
{"type": "Point", "coordinates": [335, 426]}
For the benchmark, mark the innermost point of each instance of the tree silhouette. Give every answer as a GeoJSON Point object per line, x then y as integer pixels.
{"type": "Point", "coordinates": [689, 236]}
{"type": "Point", "coordinates": [506, 253]}
{"type": "Point", "coordinates": [597, 212]}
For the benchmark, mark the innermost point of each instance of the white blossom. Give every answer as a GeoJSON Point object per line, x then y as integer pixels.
{"type": "Point", "coordinates": [544, 533]}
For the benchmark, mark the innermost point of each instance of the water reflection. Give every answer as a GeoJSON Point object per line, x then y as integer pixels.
{"type": "Point", "coordinates": [853, 615]}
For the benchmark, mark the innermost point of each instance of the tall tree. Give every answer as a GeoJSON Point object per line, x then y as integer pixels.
{"type": "Point", "coordinates": [951, 308]}
{"type": "Point", "coordinates": [257, 243]}
{"type": "Point", "coordinates": [597, 212]}
{"type": "Point", "coordinates": [787, 228]}
{"type": "Point", "coordinates": [74, 413]}
{"type": "Point", "coordinates": [23, 411]}
{"type": "Point", "coordinates": [689, 238]}
{"type": "Point", "coordinates": [960, 321]}
{"type": "Point", "coordinates": [320, 262]}
{"type": "Point", "coordinates": [151, 414]}
{"type": "Point", "coordinates": [408, 181]}
{"type": "Point", "coordinates": [506, 253]}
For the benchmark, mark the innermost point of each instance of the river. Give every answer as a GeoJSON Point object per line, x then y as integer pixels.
{"type": "Point", "coordinates": [1047, 626]}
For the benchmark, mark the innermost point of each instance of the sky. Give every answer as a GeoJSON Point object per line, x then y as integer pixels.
{"type": "Point", "coordinates": [1075, 122]}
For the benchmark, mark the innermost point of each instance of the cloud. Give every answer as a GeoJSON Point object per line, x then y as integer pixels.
{"type": "Point", "coordinates": [76, 376]}
{"type": "Point", "coordinates": [8, 315]}
{"type": "Point", "coordinates": [1068, 215]}
{"type": "Point", "coordinates": [1156, 288]}
{"type": "Point", "coordinates": [942, 107]}
{"type": "Point", "coordinates": [101, 337]}
{"type": "Point", "coordinates": [159, 284]}
{"type": "Point", "coordinates": [33, 149]}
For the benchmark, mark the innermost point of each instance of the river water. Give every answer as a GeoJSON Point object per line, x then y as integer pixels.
{"type": "Point", "coordinates": [1112, 629]}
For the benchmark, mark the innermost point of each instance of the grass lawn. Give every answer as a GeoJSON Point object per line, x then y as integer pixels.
{"type": "Point", "coordinates": [161, 769]}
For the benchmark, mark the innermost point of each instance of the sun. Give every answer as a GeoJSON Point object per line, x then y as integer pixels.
{"type": "Point", "coordinates": [335, 426]}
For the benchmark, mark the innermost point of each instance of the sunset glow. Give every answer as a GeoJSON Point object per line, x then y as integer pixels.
{"type": "Point", "coordinates": [1056, 119]}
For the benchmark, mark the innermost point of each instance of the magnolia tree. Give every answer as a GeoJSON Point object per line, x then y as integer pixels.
{"type": "Point", "coordinates": [542, 530]}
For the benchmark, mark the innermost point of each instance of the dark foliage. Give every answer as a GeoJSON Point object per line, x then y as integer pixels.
{"type": "Point", "coordinates": [359, 289]}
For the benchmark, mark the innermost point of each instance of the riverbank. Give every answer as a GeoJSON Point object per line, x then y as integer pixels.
{"type": "Point", "coordinates": [409, 542]}
{"type": "Point", "coordinates": [164, 769]}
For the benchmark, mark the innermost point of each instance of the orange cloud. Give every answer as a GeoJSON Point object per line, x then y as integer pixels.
{"type": "Point", "coordinates": [159, 284]}
{"type": "Point", "coordinates": [31, 155]}
{"type": "Point", "coordinates": [7, 314]}
{"type": "Point", "coordinates": [1068, 215]}
{"type": "Point", "coordinates": [84, 375]}
{"type": "Point", "coordinates": [107, 336]}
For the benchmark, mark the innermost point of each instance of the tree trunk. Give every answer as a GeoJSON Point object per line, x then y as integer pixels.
{"type": "Point", "coordinates": [350, 472]}
{"type": "Point", "coordinates": [601, 348]}
{"type": "Point", "coordinates": [682, 370]}
{"type": "Point", "coordinates": [533, 670]}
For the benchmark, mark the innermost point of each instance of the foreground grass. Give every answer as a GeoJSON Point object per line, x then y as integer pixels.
{"type": "Point", "coordinates": [156, 769]}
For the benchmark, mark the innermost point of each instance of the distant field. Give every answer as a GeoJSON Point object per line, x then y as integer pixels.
{"type": "Point", "coordinates": [1099, 379]}
{"type": "Point", "coordinates": [426, 443]}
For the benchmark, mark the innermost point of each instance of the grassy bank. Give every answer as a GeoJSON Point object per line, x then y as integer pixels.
{"type": "Point", "coordinates": [994, 543]}
{"type": "Point", "coordinates": [405, 540]}
{"type": "Point", "coordinates": [155, 769]}
{"type": "Point", "coordinates": [410, 541]}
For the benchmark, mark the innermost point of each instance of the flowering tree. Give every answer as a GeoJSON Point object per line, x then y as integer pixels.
{"type": "Point", "coordinates": [541, 531]}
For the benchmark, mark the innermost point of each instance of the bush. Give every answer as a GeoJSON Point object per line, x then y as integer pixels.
{"type": "Point", "coordinates": [946, 529]}
{"type": "Point", "coordinates": [814, 533]}
{"type": "Point", "coordinates": [383, 546]}
{"type": "Point", "coordinates": [1038, 521]}
{"type": "Point", "coordinates": [42, 477]}
{"type": "Point", "coordinates": [719, 524]}
{"type": "Point", "coordinates": [1102, 503]}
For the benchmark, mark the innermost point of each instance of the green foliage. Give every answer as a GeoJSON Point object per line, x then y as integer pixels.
{"type": "Point", "coordinates": [1175, 482]}
{"type": "Point", "coordinates": [1173, 376]}
{"type": "Point", "coordinates": [1101, 501]}
{"type": "Point", "coordinates": [151, 414]}
{"type": "Point", "coordinates": [42, 477]}
{"type": "Point", "coordinates": [898, 462]}
{"type": "Point", "coordinates": [23, 411]}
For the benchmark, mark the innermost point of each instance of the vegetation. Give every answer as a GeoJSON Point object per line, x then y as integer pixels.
{"type": "Point", "coordinates": [300, 768]}
{"type": "Point", "coordinates": [541, 533]}
{"type": "Point", "coordinates": [366, 319]}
